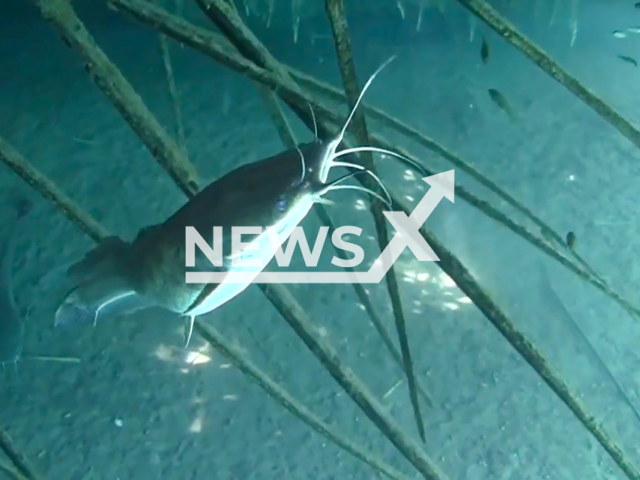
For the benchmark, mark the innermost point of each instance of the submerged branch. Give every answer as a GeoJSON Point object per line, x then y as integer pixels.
{"type": "Point", "coordinates": [288, 139]}
{"type": "Point", "coordinates": [283, 128]}
{"type": "Point", "coordinates": [217, 341]}
{"type": "Point", "coordinates": [12, 472]}
{"type": "Point", "coordinates": [173, 91]}
{"type": "Point", "coordinates": [302, 325]}
{"type": "Point", "coordinates": [503, 28]}
{"type": "Point", "coordinates": [338, 21]}
{"type": "Point", "coordinates": [225, 17]}
{"type": "Point", "coordinates": [106, 75]}
{"type": "Point", "coordinates": [229, 22]}
{"type": "Point", "coordinates": [45, 187]}
{"type": "Point", "coordinates": [365, 300]}
{"type": "Point", "coordinates": [465, 281]}
{"type": "Point", "coordinates": [20, 462]}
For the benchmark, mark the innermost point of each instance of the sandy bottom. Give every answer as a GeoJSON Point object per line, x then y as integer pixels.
{"type": "Point", "coordinates": [139, 406]}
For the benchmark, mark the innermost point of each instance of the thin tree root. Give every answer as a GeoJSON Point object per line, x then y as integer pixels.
{"type": "Point", "coordinates": [302, 325]}
{"type": "Point", "coordinates": [12, 472]}
{"type": "Point", "coordinates": [21, 463]}
{"type": "Point", "coordinates": [217, 341]}
{"type": "Point", "coordinates": [45, 187]}
{"type": "Point", "coordinates": [173, 91]}
{"type": "Point", "coordinates": [106, 75]}
{"type": "Point", "coordinates": [338, 21]}
{"type": "Point", "coordinates": [502, 27]}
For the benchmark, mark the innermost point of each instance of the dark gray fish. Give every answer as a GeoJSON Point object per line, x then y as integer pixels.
{"type": "Point", "coordinates": [119, 277]}
{"type": "Point", "coordinates": [571, 240]}
{"type": "Point", "coordinates": [278, 191]}
{"type": "Point", "coordinates": [501, 101]}
{"type": "Point", "coordinates": [11, 323]}
{"type": "Point", "coordinates": [552, 300]}
{"type": "Point", "coordinates": [484, 51]}
{"type": "Point", "coordinates": [629, 60]}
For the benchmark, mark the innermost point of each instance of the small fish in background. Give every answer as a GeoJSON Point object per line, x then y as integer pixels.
{"type": "Point", "coordinates": [637, 5]}
{"type": "Point", "coordinates": [629, 60]}
{"type": "Point", "coordinates": [501, 101]}
{"type": "Point", "coordinates": [484, 51]}
{"type": "Point", "coordinates": [619, 34]}
{"type": "Point", "coordinates": [570, 240]}
{"type": "Point", "coordinates": [633, 30]}
{"type": "Point", "coordinates": [573, 22]}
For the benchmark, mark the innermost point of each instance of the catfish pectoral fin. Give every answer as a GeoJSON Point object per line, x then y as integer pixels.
{"type": "Point", "coordinates": [188, 329]}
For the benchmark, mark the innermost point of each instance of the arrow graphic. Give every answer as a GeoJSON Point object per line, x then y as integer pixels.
{"type": "Point", "coordinates": [408, 228]}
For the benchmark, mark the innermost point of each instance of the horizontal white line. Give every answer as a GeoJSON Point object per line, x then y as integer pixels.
{"type": "Point", "coordinates": [282, 277]}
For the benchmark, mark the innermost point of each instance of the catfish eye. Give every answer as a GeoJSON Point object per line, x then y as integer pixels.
{"type": "Point", "coordinates": [281, 204]}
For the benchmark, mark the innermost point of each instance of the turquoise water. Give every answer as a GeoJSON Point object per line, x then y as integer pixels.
{"type": "Point", "coordinates": [139, 405]}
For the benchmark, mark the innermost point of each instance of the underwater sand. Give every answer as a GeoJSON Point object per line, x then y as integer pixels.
{"type": "Point", "coordinates": [141, 407]}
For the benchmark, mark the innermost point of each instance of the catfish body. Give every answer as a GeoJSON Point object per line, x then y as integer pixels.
{"type": "Point", "coordinates": [120, 277]}
{"type": "Point", "coordinates": [260, 194]}
{"type": "Point", "coordinates": [275, 192]}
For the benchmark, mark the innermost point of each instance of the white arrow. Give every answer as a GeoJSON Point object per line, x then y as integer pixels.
{"type": "Point", "coordinates": [408, 228]}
